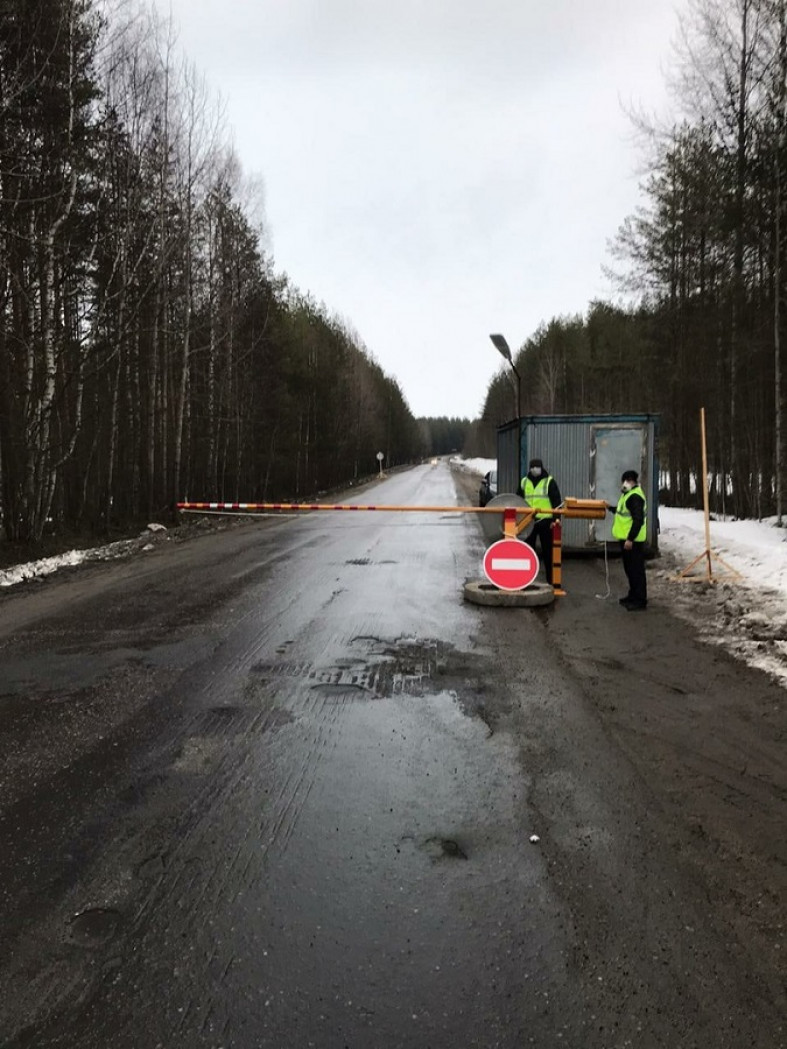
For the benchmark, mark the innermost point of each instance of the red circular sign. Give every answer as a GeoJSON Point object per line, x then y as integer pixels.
{"type": "Point", "coordinates": [510, 564]}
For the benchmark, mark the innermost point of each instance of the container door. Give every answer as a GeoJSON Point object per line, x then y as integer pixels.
{"type": "Point", "coordinates": [613, 449]}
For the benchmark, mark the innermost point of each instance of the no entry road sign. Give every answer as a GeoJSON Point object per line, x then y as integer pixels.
{"type": "Point", "coordinates": [510, 564]}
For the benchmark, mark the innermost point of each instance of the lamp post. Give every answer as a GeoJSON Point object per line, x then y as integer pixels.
{"type": "Point", "coordinates": [502, 347]}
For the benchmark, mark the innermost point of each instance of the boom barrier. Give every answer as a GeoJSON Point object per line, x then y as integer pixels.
{"type": "Point", "coordinates": [348, 506]}
{"type": "Point", "coordinates": [522, 515]}
{"type": "Point", "coordinates": [515, 518]}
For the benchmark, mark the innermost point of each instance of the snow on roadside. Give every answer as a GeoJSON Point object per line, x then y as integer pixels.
{"type": "Point", "coordinates": [747, 614]}
{"type": "Point", "coordinates": [111, 552]}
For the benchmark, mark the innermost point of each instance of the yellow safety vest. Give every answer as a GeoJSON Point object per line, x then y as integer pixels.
{"type": "Point", "coordinates": [537, 495]}
{"type": "Point", "coordinates": [621, 525]}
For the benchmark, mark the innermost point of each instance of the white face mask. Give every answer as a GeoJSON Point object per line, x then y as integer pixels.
{"type": "Point", "coordinates": [627, 486]}
{"type": "Point", "coordinates": [535, 471]}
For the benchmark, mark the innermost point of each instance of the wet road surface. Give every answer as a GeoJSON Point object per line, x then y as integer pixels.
{"type": "Point", "coordinates": [277, 787]}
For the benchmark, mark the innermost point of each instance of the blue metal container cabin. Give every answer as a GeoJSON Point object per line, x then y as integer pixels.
{"type": "Point", "coordinates": [586, 454]}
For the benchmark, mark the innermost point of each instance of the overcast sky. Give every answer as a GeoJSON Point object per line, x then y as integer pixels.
{"type": "Point", "coordinates": [437, 170]}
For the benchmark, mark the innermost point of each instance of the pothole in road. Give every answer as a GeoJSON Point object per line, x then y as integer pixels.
{"type": "Point", "coordinates": [93, 927]}
{"type": "Point", "coordinates": [405, 666]}
{"type": "Point", "coordinates": [152, 866]}
{"type": "Point", "coordinates": [372, 667]}
{"type": "Point", "coordinates": [379, 670]}
{"type": "Point", "coordinates": [444, 849]}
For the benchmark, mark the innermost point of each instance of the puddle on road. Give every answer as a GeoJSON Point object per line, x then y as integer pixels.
{"type": "Point", "coordinates": [380, 668]}
{"type": "Point", "coordinates": [375, 668]}
{"type": "Point", "coordinates": [93, 927]}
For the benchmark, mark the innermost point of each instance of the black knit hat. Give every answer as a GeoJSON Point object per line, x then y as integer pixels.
{"type": "Point", "coordinates": [536, 462]}
{"type": "Point", "coordinates": [630, 475]}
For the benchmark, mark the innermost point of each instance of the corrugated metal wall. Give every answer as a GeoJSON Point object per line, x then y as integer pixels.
{"type": "Point", "coordinates": [565, 450]}
{"type": "Point", "coordinates": [508, 476]}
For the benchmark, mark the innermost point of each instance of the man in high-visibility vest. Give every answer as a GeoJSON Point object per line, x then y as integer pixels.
{"type": "Point", "coordinates": [540, 490]}
{"type": "Point", "coordinates": [630, 528]}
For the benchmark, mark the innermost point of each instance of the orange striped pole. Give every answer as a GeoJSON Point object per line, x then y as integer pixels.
{"type": "Point", "coordinates": [515, 518]}
{"type": "Point", "coordinates": [557, 558]}
{"type": "Point", "coordinates": [521, 516]}
{"type": "Point", "coordinates": [518, 511]}
{"type": "Point", "coordinates": [510, 529]}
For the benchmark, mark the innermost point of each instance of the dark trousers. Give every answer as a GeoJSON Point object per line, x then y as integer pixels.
{"type": "Point", "coordinates": [634, 567]}
{"type": "Point", "coordinates": [542, 531]}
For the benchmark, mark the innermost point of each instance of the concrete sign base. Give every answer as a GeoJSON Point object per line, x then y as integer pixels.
{"type": "Point", "coordinates": [482, 592]}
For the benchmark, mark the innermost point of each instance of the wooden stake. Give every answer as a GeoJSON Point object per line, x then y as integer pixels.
{"type": "Point", "coordinates": [685, 576]}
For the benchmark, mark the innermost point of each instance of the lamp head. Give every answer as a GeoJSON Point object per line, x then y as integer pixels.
{"type": "Point", "coordinates": [500, 344]}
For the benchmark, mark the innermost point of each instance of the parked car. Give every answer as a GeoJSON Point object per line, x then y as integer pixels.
{"type": "Point", "coordinates": [488, 489]}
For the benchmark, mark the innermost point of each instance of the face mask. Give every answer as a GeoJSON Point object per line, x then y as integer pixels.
{"type": "Point", "coordinates": [535, 471]}
{"type": "Point", "coordinates": [627, 486]}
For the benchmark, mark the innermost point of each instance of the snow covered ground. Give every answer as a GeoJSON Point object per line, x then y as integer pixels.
{"type": "Point", "coordinates": [747, 615]}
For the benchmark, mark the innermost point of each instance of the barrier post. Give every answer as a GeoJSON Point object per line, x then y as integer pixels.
{"type": "Point", "coordinates": [557, 558]}
{"type": "Point", "coordinates": [509, 523]}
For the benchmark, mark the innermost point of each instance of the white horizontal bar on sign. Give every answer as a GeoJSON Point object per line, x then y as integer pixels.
{"type": "Point", "coordinates": [512, 564]}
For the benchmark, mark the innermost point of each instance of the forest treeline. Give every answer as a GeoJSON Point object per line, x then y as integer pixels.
{"type": "Point", "coordinates": [148, 351]}
{"type": "Point", "coordinates": [701, 272]}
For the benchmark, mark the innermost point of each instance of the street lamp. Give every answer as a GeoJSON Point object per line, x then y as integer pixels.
{"type": "Point", "coordinates": [502, 347]}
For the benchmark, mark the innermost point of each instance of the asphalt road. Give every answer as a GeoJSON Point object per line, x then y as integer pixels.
{"type": "Point", "coordinates": [276, 787]}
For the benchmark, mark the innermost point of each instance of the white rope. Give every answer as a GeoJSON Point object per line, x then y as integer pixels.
{"type": "Point", "coordinates": [603, 597]}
